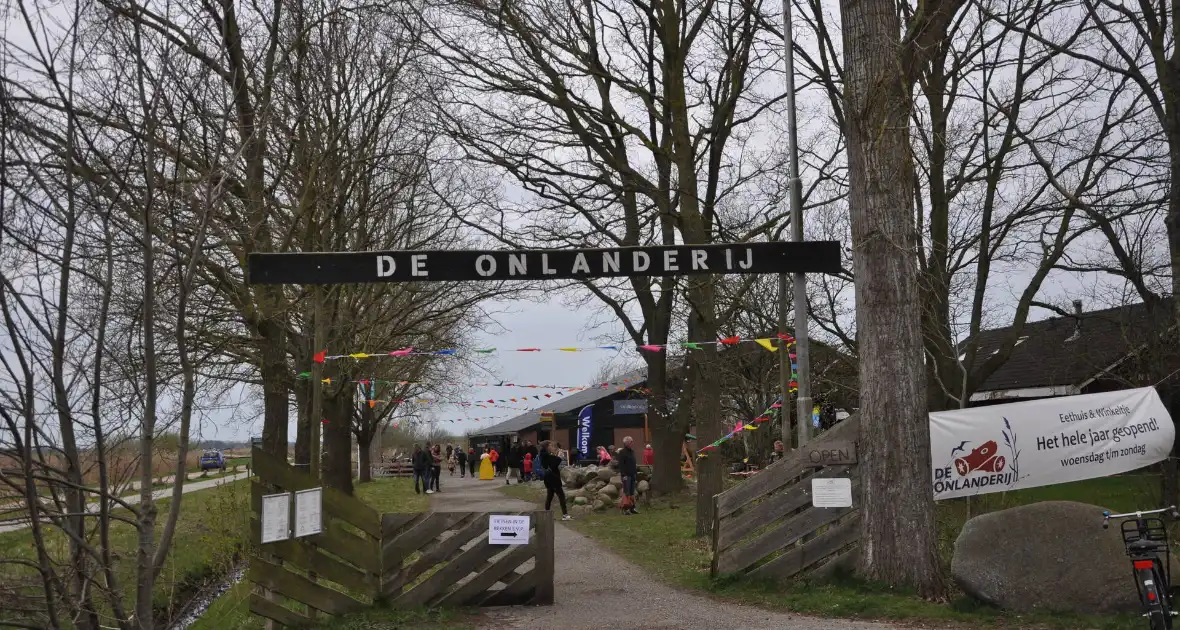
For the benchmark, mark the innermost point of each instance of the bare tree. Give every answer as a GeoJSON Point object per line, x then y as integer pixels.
{"type": "Point", "coordinates": [623, 123]}
{"type": "Point", "coordinates": [881, 65]}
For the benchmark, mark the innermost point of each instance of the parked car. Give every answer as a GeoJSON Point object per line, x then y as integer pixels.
{"type": "Point", "coordinates": [212, 460]}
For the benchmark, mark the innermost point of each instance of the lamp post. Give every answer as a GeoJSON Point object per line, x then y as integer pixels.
{"type": "Point", "coordinates": [803, 400]}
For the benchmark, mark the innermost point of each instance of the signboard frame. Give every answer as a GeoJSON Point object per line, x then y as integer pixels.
{"type": "Point", "coordinates": [266, 527]}
{"type": "Point", "coordinates": [831, 492]}
{"type": "Point", "coordinates": [638, 406]}
{"type": "Point", "coordinates": [315, 268]}
{"type": "Point", "coordinates": [513, 530]}
{"type": "Point", "coordinates": [318, 493]}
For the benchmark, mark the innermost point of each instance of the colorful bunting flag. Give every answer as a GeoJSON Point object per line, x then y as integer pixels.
{"type": "Point", "coordinates": [320, 356]}
{"type": "Point", "coordinates": [765, 343]}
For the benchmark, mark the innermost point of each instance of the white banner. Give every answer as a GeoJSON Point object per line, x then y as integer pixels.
{"type": "Point", "coordinates": [1045, 442]}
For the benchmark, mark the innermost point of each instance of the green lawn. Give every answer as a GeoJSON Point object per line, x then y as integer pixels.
{"type": "Point", "coordinates": [208, 544]}
{"type": "Point", "coordinates": [229, 611]}
{"type": "Point", "coordinates": [661, 540]}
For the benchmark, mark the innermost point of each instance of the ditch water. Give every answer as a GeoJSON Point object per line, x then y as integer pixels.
{"type": "Point", "coordinates": [205, 598]}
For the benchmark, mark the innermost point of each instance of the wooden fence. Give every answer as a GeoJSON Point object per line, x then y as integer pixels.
{"type": "Point", "coordinates": [363, 559]}
{"type": "Point", "coordinates": [766, 527]}
{"type": "Point", "coordinates": [444, 559]}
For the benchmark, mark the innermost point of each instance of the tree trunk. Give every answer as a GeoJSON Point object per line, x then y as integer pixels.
{"type": "Point", "coordinates": [667, 433]}
{"type": "Point", "coordinates": [303, 423]}
{"type": "Point", "coordinates": [275, 399]}
{"type": "Point", "coordinates": [337, 463]}
{"type": "Point", "coordinates": [898, 530]}
{"type": "Point", "coordinates": [364, 442]}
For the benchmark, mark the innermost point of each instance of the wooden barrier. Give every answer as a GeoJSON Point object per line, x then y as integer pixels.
{"type": "Point", "coordinates": [766, 527]}
{"type": "Point", "coordinates": [444, 559]}
{"type": "Point", "coordinates": [392, 469]}
{"type": "Point", "coordinates": [335, 572]}
{"type": "Point", "coordinates": [362, 559]}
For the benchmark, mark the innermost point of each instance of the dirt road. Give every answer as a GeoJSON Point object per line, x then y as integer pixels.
{"type": "Point", "coordinates": [597, 589]}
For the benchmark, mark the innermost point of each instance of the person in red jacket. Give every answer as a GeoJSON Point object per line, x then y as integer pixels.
{"type": "Point", "coordinates": [649, 456]}
{"type": "Point", "coordinates": [528, 466]}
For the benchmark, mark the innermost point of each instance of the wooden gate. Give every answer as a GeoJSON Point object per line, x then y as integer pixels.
{"type": "Point", "coordinates": [364, 559]}
{"type": "Point", "coordinates": [766, 527]}
{"type": "Point", "coordinates": [445, 559]}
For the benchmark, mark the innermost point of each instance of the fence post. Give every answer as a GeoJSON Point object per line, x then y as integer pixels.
{"type": "Point", "coordinates": [544, 565]}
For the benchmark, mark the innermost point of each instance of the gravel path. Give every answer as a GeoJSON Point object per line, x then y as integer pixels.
{"type": "Point", "coordinates": [597, 589]}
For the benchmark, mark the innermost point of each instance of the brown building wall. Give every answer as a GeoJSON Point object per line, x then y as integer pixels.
{"type": "Point", "coordinates": [636, 434]}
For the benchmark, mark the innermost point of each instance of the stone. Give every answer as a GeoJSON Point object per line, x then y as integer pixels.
{"type": "Point", "coordinates": [642, 487]}
{"type": "Point", "coordinates": [581, 500]}
{"type": "Point", "coordinates": [1050, 556]}
{"type": "Point", "coordinates": [600, 505]}
{"type": "Point", "coordinates": [616, 481]}
{"type": "Point", "coordinates": [609, 490]}
{"type": "Point", "coordinates": [605, 474]}
{"type": "Point", "coordinates": [568, 475]}
{"type": "Point", "coordinates": [591, 471]}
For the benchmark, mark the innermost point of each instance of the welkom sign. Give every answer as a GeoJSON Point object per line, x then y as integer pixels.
{"type": "Point", "coordinates": [543, 264]}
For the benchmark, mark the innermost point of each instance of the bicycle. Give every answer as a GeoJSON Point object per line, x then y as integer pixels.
{"type": "Point", "coordinates": [1146, 539]}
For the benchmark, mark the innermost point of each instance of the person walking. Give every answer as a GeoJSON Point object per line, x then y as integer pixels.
{"type": "Point", "coordinates": [461, 460]}
{"type": "Point", "coordinates": [513, 462]}
{"type": "Point", "coordinates": [629, 471]}
{"type": "Point", "coordinates": [494, 456]}
{"type": "Point", "coordinates": [451, 459]}
{"type": "Point", "coordinates": [436, 467]}
{"type": "Point", "coordinates": [527, 466]}
{"type": "Point", "coordinates": [550, 471]}
{"type": "Point", "coordinates": [472, 460]}
{"type": "Point", "coordinates": [421, 464]}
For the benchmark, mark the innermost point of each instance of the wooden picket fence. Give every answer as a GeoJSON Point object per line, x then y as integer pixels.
{"type": "Point", "coordinates": [766, 527]}
{"type": "Point", "coordinates": [364, 559]}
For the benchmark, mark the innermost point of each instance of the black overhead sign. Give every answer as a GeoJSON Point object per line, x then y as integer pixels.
{"type": "Point", "coordinates": [542, 264]}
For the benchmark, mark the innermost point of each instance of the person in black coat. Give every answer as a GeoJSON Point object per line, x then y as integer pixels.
{"type": "Point", "coordinates": [421, 463]}
{"type": "Point", "coordinates": [628, 470]}
{"type": "Point", "coordinates": [550, 471]}
{"type": "Point", "coordinates": [461, 459]}
{"type": "Point", "coordinates": [513, 460]}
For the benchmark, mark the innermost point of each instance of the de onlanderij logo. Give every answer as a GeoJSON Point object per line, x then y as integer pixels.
{"type": "Point", "coordinates": [976, 464]}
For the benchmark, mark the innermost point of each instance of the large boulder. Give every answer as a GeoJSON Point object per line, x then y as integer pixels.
{"type": "Point", "coordinates": [568, 477]}
{"type": "Point", "coordinates": [610, 492]}
{"type": "Point", "coordinates": [1050, 556]}
{"type": "Point", "coordinates": [605, 474]}
{"type": "Point", "coordinates": [642, 487]}
{"type": "Point", "coordinates": [617, 480]}
{"type": "Point", "coordinates": [580, 500]}
{"type": "Point", "coordinates": [600, 505]}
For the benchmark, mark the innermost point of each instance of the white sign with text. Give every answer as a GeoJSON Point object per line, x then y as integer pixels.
{"type": "Point", "coordinates": [831, 493]}
{"type": "Point", "coordinates": [508, 530]}
{"type": "Point", "coordinates": [1044, 442]}
{"type": "Point", "coordinates": [276, 517]}
{"type": "Point", "coordinates": [309, 513]}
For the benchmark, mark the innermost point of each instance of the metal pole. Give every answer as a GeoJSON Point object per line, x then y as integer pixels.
{"type": "Point", "coordinates": [803, 408]}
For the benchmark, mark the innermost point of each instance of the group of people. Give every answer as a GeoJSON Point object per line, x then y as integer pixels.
{"type": "Point", "coordinates": [427, 465]}
{"type": "Point", "coordinates": [526, 462]}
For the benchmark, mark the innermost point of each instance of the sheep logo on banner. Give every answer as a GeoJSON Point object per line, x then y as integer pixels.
{"type": "Point", "coordinates": [584, 420]}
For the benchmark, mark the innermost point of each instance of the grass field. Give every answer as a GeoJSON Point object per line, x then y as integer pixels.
{"type": "Point", "coordinates": [662, 541]}
{"type": "Point", "coordinates": [229, 612]}
{"type": "Point", "coordinates": [208, 543]}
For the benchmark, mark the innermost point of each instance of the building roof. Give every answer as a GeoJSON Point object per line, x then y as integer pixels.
{"type": "Point", "coordinates": [1062, 354]}
{"type": "Point", "coordinates": [564, 404]}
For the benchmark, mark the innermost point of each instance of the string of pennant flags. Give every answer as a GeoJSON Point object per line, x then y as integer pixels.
{"type": "Point", "coordinates": [771, 344]}
{"type": "Point", "coordinates": [758, 420]}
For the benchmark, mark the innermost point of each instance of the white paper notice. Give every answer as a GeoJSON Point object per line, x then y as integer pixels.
{"type": "Point", "coordinates": [508, 530]}
{"type": "Point", "coordinates": [309, 512]}
{"type": "Point", "coordinates": [276, 517]}
{"type": "Point", "coordinates": [831, 493]}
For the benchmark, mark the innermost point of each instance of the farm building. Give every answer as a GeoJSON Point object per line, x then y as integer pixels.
{"type": "Point", "coordinates": [1082, 353]}
{"type": "Point", "coordinates": [618, 410]}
